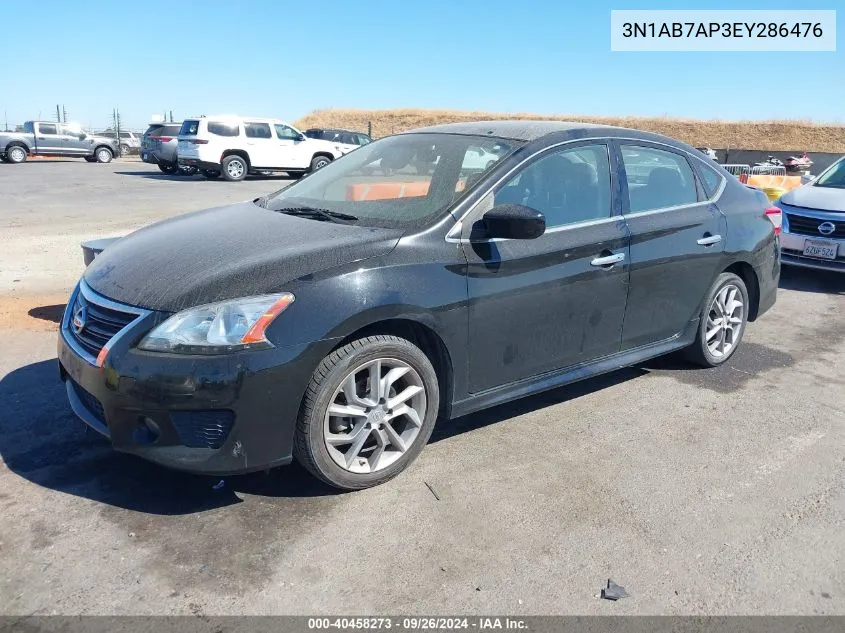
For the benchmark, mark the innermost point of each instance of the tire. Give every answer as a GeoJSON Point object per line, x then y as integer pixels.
{"type": "Point", "coordinates": [90, 159]}
{"type": "Point", "coordinates": [168, 168]}
{"type": "Point", "coordinates": [210, 173]}
{"type": "Point", "coordinates": [187, 170]}
{"type": "Point", "coordinates": [712, 352]}
{"type": "Point", "coordinates": [318, 162]}
{"type": "Point", "coordinates": [103, 155]}
{"type": "Point", "coordinates": [389, 443]}
{"type": "Point", "coordinates": [124, 150]}
{"type": "Point", "coordinates": [16, 154]}
{"type": "Point", "coordinates": [295, 175]}
{"type": "Point", "coordinates": [234, 168]}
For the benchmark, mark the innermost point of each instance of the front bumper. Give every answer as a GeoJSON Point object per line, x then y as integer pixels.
{"type": "Point", "coordinates": [220, 415]}
{"type": "Point", "coordinates": [792, 252]}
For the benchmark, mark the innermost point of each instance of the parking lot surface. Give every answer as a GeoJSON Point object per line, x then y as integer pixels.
{"type": "Point", "coordinates": [700, 491]}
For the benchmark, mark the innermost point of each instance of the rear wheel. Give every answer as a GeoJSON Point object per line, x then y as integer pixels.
{"type": "Point", "coordinates": [15, 154]}
{"type": "Point", "coordinates": [168, 168]}
{"type": "Point", "coordinates": [187, 170]}
{"type": "Point", "coordinates": [90, 159]}
{"type": "Point", "coordinates": [722, 322]}
{"type": "Point", "coordinates": [318, 162]}
{"type": "Point", "coordinates": [103, 155]}
{"type": "Point", "coordinates": [210, 173]}
{"type": "Point", "coordinates": [124, 150]}
{"type": "Point", "coordinates": [234, 168]}
{"type": "Point", "coordinates": [368, 412]}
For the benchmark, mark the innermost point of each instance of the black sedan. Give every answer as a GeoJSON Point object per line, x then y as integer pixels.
{"type": "Point", "coordinates": [336, 320]}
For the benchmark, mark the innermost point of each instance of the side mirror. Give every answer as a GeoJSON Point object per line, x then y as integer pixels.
{"type": "Point", "coordinates": [514, 221]}
{"type": "Point", "coordinates": [82, 137]}
{"type": "Point", "coordinates": [299, 137]}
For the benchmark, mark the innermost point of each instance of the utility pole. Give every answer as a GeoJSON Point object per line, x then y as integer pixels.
{"type": "Point", "coordinates": [171, 116]}
{"type": "Point", "coordinates": [116, 127]}
{"type": "Point", "coordinates": [64, 114]}
{"type": "Point", "coordinates": [58, 114]}
{"type": "Point", "coordinates": [6, 120]}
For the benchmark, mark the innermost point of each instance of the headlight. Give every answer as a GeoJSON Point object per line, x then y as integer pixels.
{"type": "Point", "coordinates": [217, 328]}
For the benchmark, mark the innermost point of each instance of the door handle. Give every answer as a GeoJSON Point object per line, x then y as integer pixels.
{"type": "Point", "coordinates": [608, 260]}
{"type": "Point", "coordinates": [709, 240]}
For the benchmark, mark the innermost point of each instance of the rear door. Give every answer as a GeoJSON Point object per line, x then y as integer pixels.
{"type": "Point", "coordinates": [677, 242]}
{"type": "Point", "coordinates": [260, 144]}
{"type": "Point", "coordinates": [47, 138]}
{"type": "Point", "coordinates": [558, 300]}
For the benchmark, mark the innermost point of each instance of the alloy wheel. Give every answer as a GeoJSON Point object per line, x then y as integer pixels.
{"type": "Point", "coordinates": [235, 169]}
{"type": "Point", "coordinates": [375, 415]}
{"type": "Point", "coordinates": [17, 154]}
{"type": "Point", "coordinates": [724, 321]}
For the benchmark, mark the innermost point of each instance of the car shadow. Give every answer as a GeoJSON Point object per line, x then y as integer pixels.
{"type": "Point", "coordinates": [812, 280]}
{"type": "Point", "coordinates": [51, 313]}
{"type": "Point", "coordinates": [151, 175]}
{"type": "Point", "coordinates": [42, 441]}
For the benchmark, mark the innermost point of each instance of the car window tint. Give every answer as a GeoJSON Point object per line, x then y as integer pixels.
{"type": "Point", "coordinates": [222, 129]}
{"type": "Point", "coordinates": [47, 128]}
{"type": "Point", "coordinates": [347, 138]}
{"type": "Point", "coordinates": [308, 133]}
{"type": "Point", "coordinates": [657, 179]}
{"type": "Point", "coordinates": [566, 186]}
{"type": "Point", "coordinates": [363, 139]}
{"type": "Point", "coordinates": [285, 132]}
{"type": "Point", "coordinates": [712, 179]}
{"type": "Point", "coordinates": [257, 130]}
{"type": "Point", "coordinates": [190, 127]}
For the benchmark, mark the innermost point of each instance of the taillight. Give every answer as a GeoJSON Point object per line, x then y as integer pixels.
{"type": "Point", "coordinates": [775, 216]}
{"type": "Point", "coordinates": [165, 139]}
{"type": "Point", "coordinates": [743, 178]}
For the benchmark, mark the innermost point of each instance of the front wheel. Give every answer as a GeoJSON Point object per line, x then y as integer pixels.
{"type": "Point", "coordinates": [368, 412]}
{"type": "Point", "coordinates": [722, 322]}
{"type": "Point", "coordinates": [168, 168]}
{"type": "Point", "coordinates": [210, 173]}
{"type": "Point", "coordinates": [318, 162]}
{"type": "Point", "coordinates": [103, 155]}
{"type": "Point", "coordinates": [124, 150]}
{"type": "Point", "coordinates": [234, 168]}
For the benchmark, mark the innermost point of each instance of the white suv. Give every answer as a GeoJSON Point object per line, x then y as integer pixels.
{"type": "Point", "coordinates": [236, 146]}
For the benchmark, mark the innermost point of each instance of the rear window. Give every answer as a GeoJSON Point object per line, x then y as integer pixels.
{"type": "Point", "coordinates": [189, 128]}
{"type": "Point", "coordinates": [154, 131]}
{"type": "Point", "coordinates": [257, 130]}
{"type": "Point", "coordinates": [222, 129]}
{"type": "Point", "coordinates": [314, 134]}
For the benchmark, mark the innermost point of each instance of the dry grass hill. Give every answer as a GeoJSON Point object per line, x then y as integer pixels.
{"type": "Point", "coordinates": [786, 135]}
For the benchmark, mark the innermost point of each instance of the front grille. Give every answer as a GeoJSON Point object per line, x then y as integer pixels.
{"type": "Point", "coordinates": [94, 406]}
{"type": "Point", "coordinates": [810, 226]}
{"type": "Point", "coordinates": [203, 429]}
{"type": "Point", "coordinates": [100, 324]}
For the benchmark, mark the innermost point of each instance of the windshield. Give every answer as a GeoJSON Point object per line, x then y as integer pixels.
{"type": "Point", "coordinates": [401, 181]}
{"type": "Point", "coordinates": [833, 177]}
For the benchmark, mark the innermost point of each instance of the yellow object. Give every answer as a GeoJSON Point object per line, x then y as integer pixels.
{"type": "Point", "coordinates": [773, 193]}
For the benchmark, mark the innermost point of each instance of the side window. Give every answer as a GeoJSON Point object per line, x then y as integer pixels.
{"type": "Point", "coordinates": [347, 138]}
{"type": "Point", "coordinates": [363, 139]}
{"type": "Point", "coordinates": [567, 186]}
{"type": "Point", "coordinates": [657, 178]}
{"type": "Point", "coordinates": [221, 129]}
{"type": "Point", "coordinates": [47, 128]}
{"type": "Point", "coordinates": [285, 132]}
{"type": "Point", "coordinates": [257, 130]}
{"type": "Point", "coordinates": [711, 178]}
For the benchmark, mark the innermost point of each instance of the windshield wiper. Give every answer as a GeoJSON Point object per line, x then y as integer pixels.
{"type": "Point", "coordinates": [325, 214]}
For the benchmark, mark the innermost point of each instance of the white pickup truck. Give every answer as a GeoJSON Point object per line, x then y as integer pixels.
{"type": "Point", "coordinates": [236, 146]}
{"type": "Point", "coordinates": [45, 138]}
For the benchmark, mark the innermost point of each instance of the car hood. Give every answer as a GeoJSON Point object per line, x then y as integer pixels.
{"type": "Point", "coordinates": [812, 197]}
{"type": "Point", "coordinates": [227, 252]}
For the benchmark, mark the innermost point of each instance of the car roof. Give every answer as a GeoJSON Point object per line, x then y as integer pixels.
{"type": "Point", "coordinates": [238, 117]}
{"type": "Point", "coordinates": [559, 131]}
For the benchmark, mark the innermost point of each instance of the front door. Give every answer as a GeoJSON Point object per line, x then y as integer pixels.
{"type": "Point", "coordinates": [558, 300]}
{"type": "Point", "coordinates": [290, 149]}
{"type": "Point", "coordinates": [73, 142]}
{"type": "Point", "coordinates": [677, 241]}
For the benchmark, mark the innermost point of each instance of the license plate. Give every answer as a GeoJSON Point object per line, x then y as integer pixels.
{"type": "Point", "coordinates": [143, 155]}
{"type": "Point", "coordinates": [820, 249]}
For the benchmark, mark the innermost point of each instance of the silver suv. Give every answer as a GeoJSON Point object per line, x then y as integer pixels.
{"type": "Point", "coordinates": [158, 147]}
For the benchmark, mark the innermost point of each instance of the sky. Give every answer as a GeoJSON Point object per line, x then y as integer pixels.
{"type": "Point", "coordinates": [283, 59]}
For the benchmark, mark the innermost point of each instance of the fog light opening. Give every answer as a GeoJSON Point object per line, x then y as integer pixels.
{"type": "Point", "coordinates": [146, 432]}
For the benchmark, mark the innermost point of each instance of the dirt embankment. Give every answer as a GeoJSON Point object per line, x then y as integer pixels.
{"type": "Point", "coordinates": [773, 136]}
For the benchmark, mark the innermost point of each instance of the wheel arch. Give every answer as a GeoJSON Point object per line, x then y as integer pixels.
{"type": "Point", "coordinates": [324, 153]}
{"type": "Point", "coordinates": [423, 336]}
{"type": "Point", "coordinates": [104, 146]}
{"type": "Point", "coordinates": [746, 272]}
{"type": "Point", "coordinates": [16, 143]}
{"type": "Point", "coordinates": [237, 152]}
